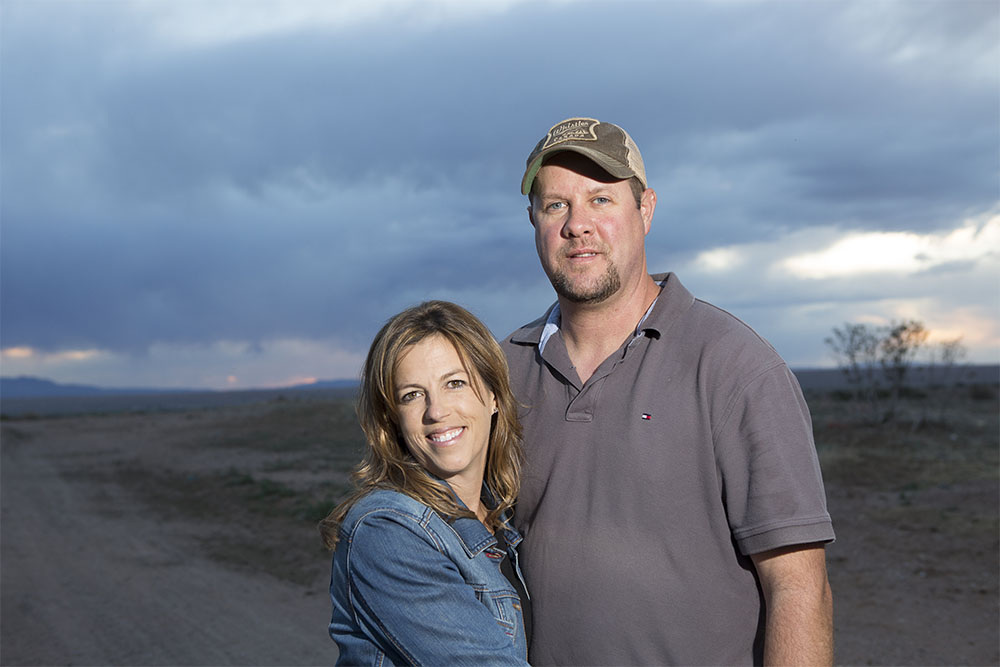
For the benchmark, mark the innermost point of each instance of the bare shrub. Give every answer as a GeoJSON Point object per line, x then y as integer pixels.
{"type": "Point", "coordinates": [856, 347]}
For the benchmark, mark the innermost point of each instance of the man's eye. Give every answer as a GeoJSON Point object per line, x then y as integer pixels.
{"type": "Point", "coordinates": [555, 206]}
{"type": "Point", "coordinates": [601, 200]}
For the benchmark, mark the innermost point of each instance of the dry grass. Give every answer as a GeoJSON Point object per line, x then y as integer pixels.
{"type": "Point", "coordinates": [915, 505]}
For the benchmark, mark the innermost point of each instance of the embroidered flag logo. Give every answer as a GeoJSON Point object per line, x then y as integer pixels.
{"type": "Point", "coordinates": [646, 416]}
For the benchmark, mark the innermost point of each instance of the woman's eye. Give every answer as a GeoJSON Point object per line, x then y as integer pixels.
{"type": "Point", "coordinates": [408, 396]}
{"type": "Point", "coordinates": [456, 384]}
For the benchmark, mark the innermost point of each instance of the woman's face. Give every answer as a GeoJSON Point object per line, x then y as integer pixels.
{"type": "Point", "coordinates": [446, 427]}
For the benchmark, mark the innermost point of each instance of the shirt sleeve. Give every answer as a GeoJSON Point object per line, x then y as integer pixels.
{"type": "Point", "coordinates": [408, 595]}
{"type": "Point", "coordinates": [769, 468]}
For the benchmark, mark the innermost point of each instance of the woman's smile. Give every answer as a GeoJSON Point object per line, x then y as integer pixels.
{"type": "Point", "coordinates": [446, 437]}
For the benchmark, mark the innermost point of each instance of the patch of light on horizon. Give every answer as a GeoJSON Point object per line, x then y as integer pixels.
{"type": "Point", "coordinates": [944, 323]}
{"type": "Point", "coordinates": [192, 24]}
{"type": "Point", "coordinates": [897, 252]}
{"type": "Point", "coordinates": [242, 365]}
{"type": "Point", "coordinates": [217, 365]}
{"type": "Point", "coordinates": [44, 358]}
{"type": "Point", "coordinates": [76, 355]}
{"type": "Point", "coordinates": [976, 328]}
{"type": "Point", "coordinates": [297, 380]}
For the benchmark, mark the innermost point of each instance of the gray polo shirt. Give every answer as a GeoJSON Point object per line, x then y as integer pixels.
{"type": "Point", "coordinates": [646, 488]}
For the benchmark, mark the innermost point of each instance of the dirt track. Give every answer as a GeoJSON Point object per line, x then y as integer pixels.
{"type": "Point", "coordinates": [90, 576]}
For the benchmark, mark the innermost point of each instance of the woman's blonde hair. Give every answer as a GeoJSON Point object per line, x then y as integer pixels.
{"type": "Point", "coordinates": [387, 462]}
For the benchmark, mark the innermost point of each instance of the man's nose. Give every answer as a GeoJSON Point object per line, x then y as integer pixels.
{"type": "Point", "coordinates": [577, 223]}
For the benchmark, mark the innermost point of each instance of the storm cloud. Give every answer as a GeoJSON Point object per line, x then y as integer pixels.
{"type": "Point", "coordinates": [197, 194]}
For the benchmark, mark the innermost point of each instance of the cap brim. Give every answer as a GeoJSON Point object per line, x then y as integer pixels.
{"type": "Point", "coordinates": [616, 169]}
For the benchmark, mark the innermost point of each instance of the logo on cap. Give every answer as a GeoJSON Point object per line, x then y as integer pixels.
{"type": "Point", "coordinates": [574, 129]}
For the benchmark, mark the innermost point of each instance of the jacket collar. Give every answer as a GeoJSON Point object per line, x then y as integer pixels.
{"type": "Point", "coordinates": [473, 534]}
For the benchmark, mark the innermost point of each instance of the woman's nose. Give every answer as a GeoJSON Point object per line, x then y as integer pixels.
{"type": "Point", "coordinates": [435, 409]}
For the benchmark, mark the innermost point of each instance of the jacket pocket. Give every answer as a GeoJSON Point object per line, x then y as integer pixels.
{"type": "Point", "coordinates": [505, 605]}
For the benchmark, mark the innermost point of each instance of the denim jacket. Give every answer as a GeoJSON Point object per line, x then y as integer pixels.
{"type": "Point", "coordinates": [410, 588]}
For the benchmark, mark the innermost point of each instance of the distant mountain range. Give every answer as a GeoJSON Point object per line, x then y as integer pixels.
{"type": "Point", "coordinates": [810, 378]}
{"type": "Point", "coordinates": [32, 387]}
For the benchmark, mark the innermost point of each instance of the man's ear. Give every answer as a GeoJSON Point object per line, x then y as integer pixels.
{"type": "Point", "coordinates": [531, 217]}
{"type": "Point", "coordinates": [646, 207]}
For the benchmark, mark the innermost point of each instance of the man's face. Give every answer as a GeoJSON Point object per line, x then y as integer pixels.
{"type": "Point", "coordinates": [589, 233]}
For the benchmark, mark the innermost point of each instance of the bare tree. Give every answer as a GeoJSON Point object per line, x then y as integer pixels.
{"type": "Point", "coordinates": [943, 373]}
{"type": "Point", "coordinates": [856, 347]}
{"type": "Point", "coordinates": [898, 348]}
{"type": "Point", "coordinates": [944, 361]}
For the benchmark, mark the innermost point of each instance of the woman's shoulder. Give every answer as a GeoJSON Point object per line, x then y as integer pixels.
{"type": "Point", "coordinates": [383, 524]}
{"type": "Point", "coordinates": [385, 503]}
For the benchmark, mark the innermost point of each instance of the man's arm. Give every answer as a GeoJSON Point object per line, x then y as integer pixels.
{"type": "Point", "coordinates": [799, 605]}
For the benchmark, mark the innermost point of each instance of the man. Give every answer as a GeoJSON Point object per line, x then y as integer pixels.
{"type": "Point", "coordinates": [672, 503]}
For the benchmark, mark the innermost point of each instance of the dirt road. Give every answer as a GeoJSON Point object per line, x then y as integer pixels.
{"type": "Point", "coordinates": [91, 577]}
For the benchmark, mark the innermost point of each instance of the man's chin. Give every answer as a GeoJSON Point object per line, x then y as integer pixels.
{"type": "Point", "coordinates": [584, 299]}
{"type": "Point", "coordinates": [574, 292]}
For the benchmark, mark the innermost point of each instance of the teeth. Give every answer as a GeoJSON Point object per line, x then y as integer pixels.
{"type": "Point", "coordinates": [446, 436]}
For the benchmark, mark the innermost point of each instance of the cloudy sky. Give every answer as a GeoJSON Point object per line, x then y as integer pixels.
{"type": "Point", "coordinates": [233, 194]}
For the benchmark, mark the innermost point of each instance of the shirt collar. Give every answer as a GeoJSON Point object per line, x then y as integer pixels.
{"type": "Point", "coordinates": [554, 318]}
{"type": "Point", "coordinates": [552, 323]}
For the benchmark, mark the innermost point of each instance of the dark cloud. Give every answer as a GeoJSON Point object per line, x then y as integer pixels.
{"type": "Point", "coordinates": [309, 183]}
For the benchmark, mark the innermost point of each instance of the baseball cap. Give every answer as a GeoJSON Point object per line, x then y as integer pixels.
{"type": "Point", "coordinates": [605, 143]}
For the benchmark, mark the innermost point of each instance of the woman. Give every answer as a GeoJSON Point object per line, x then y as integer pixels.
{"type": "Point", "coordinates": [425, 568]}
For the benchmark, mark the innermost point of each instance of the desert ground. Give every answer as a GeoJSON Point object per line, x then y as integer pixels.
{"type": "Point", "coordinates": [186, 536]}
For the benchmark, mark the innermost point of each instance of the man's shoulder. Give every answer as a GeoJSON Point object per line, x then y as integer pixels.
{"type": "Point", "coordinates": [718, 326]}
{"type": "Point", "coordinates": [728, 352]}
{"type": "Point", "coordinates": [692, 329]}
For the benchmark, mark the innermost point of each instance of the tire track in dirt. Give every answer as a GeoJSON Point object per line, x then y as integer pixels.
{"type": "Point", "coordinates": [90, 577]}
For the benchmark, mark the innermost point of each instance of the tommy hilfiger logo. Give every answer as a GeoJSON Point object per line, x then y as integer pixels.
{"type": "Point", "coordinates": [646, 416]}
